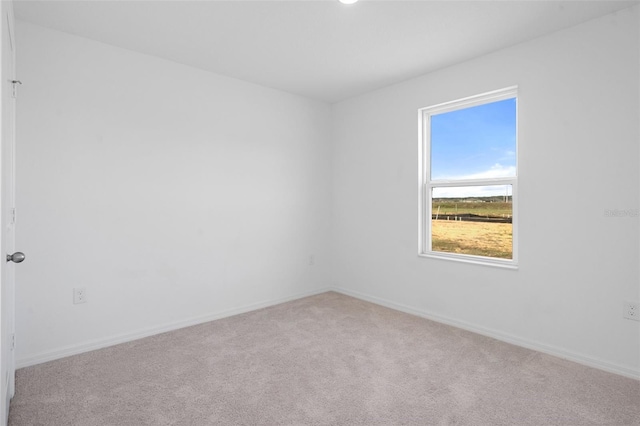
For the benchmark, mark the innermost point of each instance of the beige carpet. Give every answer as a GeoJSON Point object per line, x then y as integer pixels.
{"type": "Point", "coordinates": [323, 360]}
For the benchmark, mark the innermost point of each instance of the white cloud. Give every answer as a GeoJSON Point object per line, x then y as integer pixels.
{"type": "Point", "coordinates": [496, 171]}
{"type": "Point", "coordinates": [509, 155]}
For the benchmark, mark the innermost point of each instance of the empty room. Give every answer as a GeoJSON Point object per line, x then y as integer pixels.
{"type": "Point", "coordinates": [320, 212]}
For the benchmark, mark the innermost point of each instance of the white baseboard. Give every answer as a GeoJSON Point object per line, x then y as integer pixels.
{"type": "Point", "coordinates": [508, 338]}
{"type": "Point", "coordinates": [505, 337]}
{"type": "Point", "coordinates": [139, 334]}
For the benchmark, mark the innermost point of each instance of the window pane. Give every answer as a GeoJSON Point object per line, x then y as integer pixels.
{"type": "Point", "coordinates": [474, 220]}
{"type": "Point", "coordinates": [474, 143]}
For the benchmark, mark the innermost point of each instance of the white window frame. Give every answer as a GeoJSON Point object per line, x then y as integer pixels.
{"type": "Point", "coordinates": [426, 184]}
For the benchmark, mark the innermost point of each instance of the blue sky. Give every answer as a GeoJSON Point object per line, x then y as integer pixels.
{"type": "Point", "coordinates": [476, 142]}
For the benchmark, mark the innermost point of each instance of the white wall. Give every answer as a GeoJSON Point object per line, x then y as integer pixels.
{"type": "Point", "coordinates": [175, 195]}
{"type": "Point", "coordinates": [578, 142]}
{"type": "Point", "coordinates": [171, 194]}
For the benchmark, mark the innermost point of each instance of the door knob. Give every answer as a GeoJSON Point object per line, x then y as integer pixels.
{"type": "Point", "coordinates": [16, 257]}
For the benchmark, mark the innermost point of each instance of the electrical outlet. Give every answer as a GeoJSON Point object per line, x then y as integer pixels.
{"type": "Point", "coordinates": [631, 310]}
{"type": "Point", "coordinates": [79, 295]}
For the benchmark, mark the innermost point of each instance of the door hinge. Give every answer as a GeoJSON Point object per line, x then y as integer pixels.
{"type": "Point", "coordinates": [13, 215]}
{"type": "Point", "coordinates": [14, 84]}
{"type": "Point", "coordinates": [13, 341]}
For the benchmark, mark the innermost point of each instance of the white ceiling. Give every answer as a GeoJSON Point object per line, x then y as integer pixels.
{"type": "Point", "coordinates": [319, 49]}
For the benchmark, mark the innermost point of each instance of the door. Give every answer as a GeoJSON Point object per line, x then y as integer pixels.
{"type": "Point", "coordinates": [7, 209]}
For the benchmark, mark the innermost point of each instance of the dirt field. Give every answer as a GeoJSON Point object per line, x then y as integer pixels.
{"type": "Point", "coordinates": [480, 239]}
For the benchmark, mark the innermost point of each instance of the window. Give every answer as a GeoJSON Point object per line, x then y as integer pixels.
{"type": "Point", "coordinates": [469, 179]}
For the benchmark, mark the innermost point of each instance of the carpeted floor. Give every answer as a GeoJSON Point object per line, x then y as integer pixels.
{"type": "Point", "coordinates": [323, 360]}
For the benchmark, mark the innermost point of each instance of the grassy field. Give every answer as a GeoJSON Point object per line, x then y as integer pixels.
{"type": "Point", "coordinates": [495, 209]}
{"type": "Point", "coordinates": [477, 238]}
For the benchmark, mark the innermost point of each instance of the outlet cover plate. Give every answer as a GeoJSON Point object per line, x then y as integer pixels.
{"type": "Point", "coordinates": [631, 310]}
{"type": "Point", "coordinates": [79, 295]}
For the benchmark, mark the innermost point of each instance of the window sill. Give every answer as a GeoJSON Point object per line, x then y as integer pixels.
{"type": "Point", "coordinates": [476, 260]}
